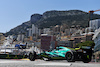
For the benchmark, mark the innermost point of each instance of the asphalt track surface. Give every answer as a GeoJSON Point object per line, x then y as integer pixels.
{"type": "Point", "coordinates": [41, 63]}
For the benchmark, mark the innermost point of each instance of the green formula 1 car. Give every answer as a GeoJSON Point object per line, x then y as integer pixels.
{"type": "Point", "coordinates": [70, 54]}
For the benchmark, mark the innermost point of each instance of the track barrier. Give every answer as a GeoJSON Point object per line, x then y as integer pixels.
{"type": "Point", "coordinates": [10, 56]}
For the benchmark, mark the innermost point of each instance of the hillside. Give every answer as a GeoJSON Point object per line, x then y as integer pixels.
{"type": "Point", "coordinates": [23, 27]}
{"type": "Point", "coordinates": [71, 17]}
{"type": "Point", "coordinates": [52, 18]}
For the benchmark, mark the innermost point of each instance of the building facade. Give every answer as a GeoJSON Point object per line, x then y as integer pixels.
{"type": "Point", "coordinates": [96, 39]}
{"type": "Point", "coordinates": [29, 32]}
{"type": "Point", "coordinates": [35, 29]}
{"type": "Point", "coordinates": [46, 30]}
{"type": "Point", "coordinates": [2, 38]}
{"type": "Point", "coordinates": [94, 24]}
{"type": "Point", "coordinates": [20, 37]}
{"type": "Point", "coordinates": [48, 42]}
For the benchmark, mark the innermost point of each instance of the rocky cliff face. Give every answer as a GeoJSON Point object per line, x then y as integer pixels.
{"type": "Point", "coordinates": [62, 13]}
{"type": "Point", "coordinates": [52, 18]}
{"type": "Point", "coordinates": [35, 18]}
{"type": "Point", "coordinates": [71, 17]}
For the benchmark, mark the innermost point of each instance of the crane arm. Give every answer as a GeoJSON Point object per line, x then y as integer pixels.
{"type": "Point", "coordinates": [97, 10]}
{"type": "Point", "coordinates": [94, 11]}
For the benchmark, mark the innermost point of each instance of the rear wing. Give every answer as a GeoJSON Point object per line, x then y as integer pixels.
{"type": "Point", "coordinates": [85, 47]}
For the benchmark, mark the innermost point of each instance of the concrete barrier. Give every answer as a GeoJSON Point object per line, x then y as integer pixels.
{"type": "Point", "coordinates": [10, 56]}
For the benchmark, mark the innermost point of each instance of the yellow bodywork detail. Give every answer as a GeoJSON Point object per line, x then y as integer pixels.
{"type": "Point", "coordinates": [88, 56]}
{"type": "Point", "coordinates": [15, 57]}
{"type": "Point", "coordinates": [7, 56]}
{"type": "Point", "coordinates": [77, 48]}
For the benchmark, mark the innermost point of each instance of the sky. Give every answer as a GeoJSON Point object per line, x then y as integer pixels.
{"type": "Point", "coordinates": [16, 12]}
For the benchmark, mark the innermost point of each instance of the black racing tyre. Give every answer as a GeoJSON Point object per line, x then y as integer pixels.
{"type": "Point", "coordinates": [70, 57]}
{"type": "Point", "coordinates": [86, 60]}
{"type": "Point", "coordinates": [32, 56]}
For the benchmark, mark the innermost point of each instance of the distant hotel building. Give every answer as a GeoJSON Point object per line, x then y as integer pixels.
{"type": "Point", "coordinates": [35, 30]}
{"type": "Point", "coordinates": [20, 37]}
{"type": "Point", "coordinates": [29, 31]}
{"type": "Point", "coordinates": [94, 24]}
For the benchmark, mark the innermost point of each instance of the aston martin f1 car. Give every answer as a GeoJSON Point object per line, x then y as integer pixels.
{"type": "Point", "coordinates": [70, 54]}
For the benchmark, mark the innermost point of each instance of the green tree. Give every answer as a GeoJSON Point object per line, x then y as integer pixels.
{"type": "Point", "coordinates": [86, 43]}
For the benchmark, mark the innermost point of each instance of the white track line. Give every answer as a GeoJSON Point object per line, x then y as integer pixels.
{"type": "Point", "coordinates": [10, 62]}
{"type": "Point", "coordinates": [55, 64]}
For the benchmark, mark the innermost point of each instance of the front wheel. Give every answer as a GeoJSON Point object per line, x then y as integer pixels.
{"type": "Point", "coordinates": [70, 57]}
{"type": "Point", "coordinates": [32, 56]}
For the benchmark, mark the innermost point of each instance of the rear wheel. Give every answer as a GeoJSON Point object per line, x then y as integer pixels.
{"type": "Point", "coordinates": [32, 56]}
{"type": "Point", "coordinates": [70, 57]}
{"type": "Point", "coordinates": [86, 59]}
